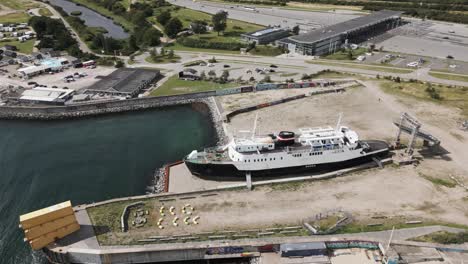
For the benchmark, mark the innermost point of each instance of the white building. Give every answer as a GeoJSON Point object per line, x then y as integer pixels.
{"type": "Point", "coordinates": [31, 71]}
{"type": "Point", "coordinates": [46, 95]}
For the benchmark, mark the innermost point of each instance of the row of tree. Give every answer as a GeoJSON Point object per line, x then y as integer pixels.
{"type": "Point", "coordinates": [52, 33]}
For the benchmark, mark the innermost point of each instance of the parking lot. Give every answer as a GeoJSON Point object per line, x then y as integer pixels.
{"type": "Point", "coordinates": [427, 38]}
{"type": "Point", "coordinates": [255, 71]}
{"type": "Point", "coordinates": [415, 61]}
{"type": "Point", "coordinates": [56, 80]}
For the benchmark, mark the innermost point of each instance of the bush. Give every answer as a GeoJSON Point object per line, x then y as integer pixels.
{"type": "Point", "coordinates": [204, 44]}
{"type": "Point", "coordinates": [75, 13]}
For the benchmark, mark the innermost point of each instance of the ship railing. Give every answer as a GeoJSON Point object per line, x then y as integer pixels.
{"type": "Point", "coordinates": [314, 149]}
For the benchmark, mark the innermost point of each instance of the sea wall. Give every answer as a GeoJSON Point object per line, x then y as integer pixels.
{"type": "Point", "coordinates": [98, 108]}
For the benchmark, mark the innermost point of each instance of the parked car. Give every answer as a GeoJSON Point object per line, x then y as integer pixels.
{"type": "Point", "coordinates": [210, 65]}
{"type": "Point", "coordinates": [271, 70]}
{"type": "Point", "coordinates": [226, 66]}
{"type": "Point", "coordinates": [32, 83]}
{"type": "Point", "coordinates": [273, 66]}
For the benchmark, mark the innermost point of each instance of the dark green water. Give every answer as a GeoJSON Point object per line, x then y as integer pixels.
{"type": "Point", "coordinates": [43, 163]}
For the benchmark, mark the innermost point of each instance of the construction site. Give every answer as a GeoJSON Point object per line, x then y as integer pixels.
{"type": "Point", "coordinates": [420, 189]}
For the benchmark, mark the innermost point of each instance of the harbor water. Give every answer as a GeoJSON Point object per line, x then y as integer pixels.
{"type": "Point", "coordinates": [87, 160]}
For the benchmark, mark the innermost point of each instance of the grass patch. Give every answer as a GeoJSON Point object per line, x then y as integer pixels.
{"type": "Point", "coordinates": [175, 86]}
{"type": "Point", "coordinates": [438, 181]}
{"type": "Point", "coordinates": [102, 10]}
{"type": "Point", "coordinates": [106, 218]}
{"type": "Point", "coordinates": [264, 50]}
{"type": "Point", "coordinates": [19, 4]}
{"type": "Point", "coordinates": [344, 54]}
{"type": "Point", "coordinates": [19, 17]}
{"type": "Point", "coordinates": [177, 46]}
{"type": "Point", "coordinates": [443, 237]}
{"type": "Point", "coordinates": [361, 66]}
{"type": "Point", "coordinates": [448, 76]}
{"type": "Point", "coordinates": [388, 224]}
{"type": "Point", "coordinates": [231, 35]}
{"type": "Point", "coordinates": [288, 74]}
{"type": "Point", "coordinates": [45, 12]}
{"type": "Point", "coordinates": [162, 59]}
{"type": "Point", "coordinates": [451, 96]}
{"type": "Point", "coordinates": [23, 47]}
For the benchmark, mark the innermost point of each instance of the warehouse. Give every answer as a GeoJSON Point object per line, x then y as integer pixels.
{"type": "Point", "coordinates": [265, 36]}
{"type": "Point", "coordinates": [330, 39]}
{"type": "Point", "coordinates": [46, 95]}
{"type": "Point", "coordinates": [124, 82]}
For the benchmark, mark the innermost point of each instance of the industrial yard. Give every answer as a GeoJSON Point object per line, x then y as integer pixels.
{"type": "Point", "coordinates": [431, 192]}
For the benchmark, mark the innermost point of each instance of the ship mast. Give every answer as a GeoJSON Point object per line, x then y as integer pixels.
{"type": "Point", "coordinates": [254, 126]}
{"type": "Point", "coordinates": [338, 124]}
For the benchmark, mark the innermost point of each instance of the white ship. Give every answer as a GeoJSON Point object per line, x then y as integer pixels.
{"type": "Point", "coordinates": [310, 150]}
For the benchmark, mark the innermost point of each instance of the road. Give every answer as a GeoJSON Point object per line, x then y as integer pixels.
{"type": "Point", "coordinates": [269, 15]}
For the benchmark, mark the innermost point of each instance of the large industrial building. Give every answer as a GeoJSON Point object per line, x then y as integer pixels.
{"type": "Point", "coordinates": [330, 39]}
{"type": "Point", "coordinates": [124, 82]}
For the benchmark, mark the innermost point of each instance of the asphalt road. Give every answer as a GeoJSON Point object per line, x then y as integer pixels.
{"type": "Point", "coordinates": [269, 16]}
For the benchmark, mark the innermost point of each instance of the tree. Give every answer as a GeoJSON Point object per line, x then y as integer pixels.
{"type": "Point", "coordinates": [219, 21]}
{"type": "Point", "coordinates": [252, 79]}
{"type": "Point", "coordinates": [170, 55]}
{"type": "Point", "coordinates": [212, 60]}
{"type": "Point", "coordinates": [202, 75]}
{"type": "Point", "coordinates": [295, 30]}
{"type": "Point", "coordinates": [198, 27]}
{"type": "Point", "coordinates": [266, 79]}
{"type": "Point", "coordinates": [119, 64]}
{"type": "Point", "coordinates": [151, 37]}
{"type": "Point", "coordinates": [225, 75]}
{"type": "Point", "coordinates": [212, 74]}
{"type": "Point", "coordinates": [173, 27]}
{"type": "Point", "coordinates": [350, 54]}
{"type": "Point", "coordinates": [132, 43]}
{"type": "Point", "coordinates": [164, 17]}
{"type": "Point", "coordinates": [154, 54]}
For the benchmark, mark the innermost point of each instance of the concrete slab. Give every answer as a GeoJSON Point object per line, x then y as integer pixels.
{"type": "Point", "coordinates": [181, 180]}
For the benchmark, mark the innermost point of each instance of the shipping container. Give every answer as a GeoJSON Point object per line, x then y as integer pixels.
{"type": "Point", "coordinates": [246, 89]}
{"type": "Point", "coordinates": [46, 215]}
{"type": "Point", "coordinates": [303, 249]}
{"type": "Point", "coordinates": [48, 227]}
{"type": "Point", "coordinates": [44, 240]}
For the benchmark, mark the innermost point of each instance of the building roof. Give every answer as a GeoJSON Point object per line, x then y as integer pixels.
{"type": "Point", "coordinates": [346, 26]}
{"type": "Point", "coordinates": [45, 94]}
{"type": "Point", "coordinates": [33, 69]}
{"type": "Point", "coordinates": [265, 32]}
{"type": "Point", "coordinates": [124, 81]}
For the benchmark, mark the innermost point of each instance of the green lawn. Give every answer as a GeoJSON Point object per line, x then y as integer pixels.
{"type": "Point", "coordinates": [443, 237]}
{"type": "Point", "coordinates": [264, 50]}
{"type": "Point", "coordinates": [23, 47]}
{"type": "Point", "coordinates": [231, 35]}
{"type": "Point", "coordinates": [19, 17]}
{"type": "Point", "coordinates": [45, 12]}
{"type": "Point", "coordinates": [448, 76]}
{"type": "Point", "coordinates": [177, 46]}
{"type": "Point", "coordinates": [450, 96]}
{"type": "Point", "coordinates": [175, 86]}
{"type": "Point", "coordinates": [102, 10]}
{"type": "Point", "coordinates": [19, 4]}
{"type": "Point", "coordinates": [163, 59]}
{"type": "Point", "coordinates": [344, 54]}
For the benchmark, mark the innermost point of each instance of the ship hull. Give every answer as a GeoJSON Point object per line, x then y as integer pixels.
{"type": "Point", "coordinates": [220, 170]}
